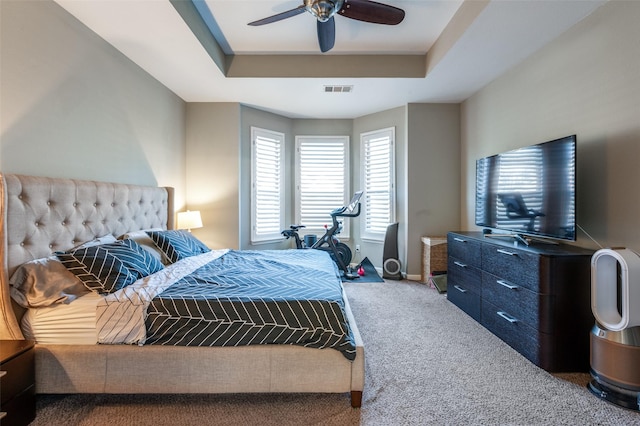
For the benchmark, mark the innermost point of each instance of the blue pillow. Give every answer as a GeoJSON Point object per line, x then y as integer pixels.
{"type": "Point", "coordinates": [98, 269]}
{"type": "Point", "coordinates": [136, 258]}
{"type": "Point", "coordinates": [177, 245]}
{"type": "Point", "coordinates": [109, 267]}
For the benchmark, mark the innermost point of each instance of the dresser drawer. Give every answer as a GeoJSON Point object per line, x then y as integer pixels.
{"type": "Point", "coordinates": [20, 411]}
{"type": "Point", "coordinates": [17, 384]}
{"type": "Point", "coordinates": [465, 249]}
{"type": "Point", "coordinates": [19, 374]}
{"type": "Point", "coordinates": [531, 308]}
{"type": "Point", "coordinates": [466, 300]}
{"type": "Point", "coordinates": [521, 337]}
{"type": "Point", "coordinates": [513, 265]}
{"type": "Point", "coordinates": [464, 275]}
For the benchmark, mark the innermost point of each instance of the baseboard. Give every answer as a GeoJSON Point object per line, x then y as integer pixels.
{"type": "Point", "coordinates": [413, 277]}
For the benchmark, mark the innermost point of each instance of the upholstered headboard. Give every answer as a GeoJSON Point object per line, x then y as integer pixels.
{"type": "Point", "coordinates": [40, 215]}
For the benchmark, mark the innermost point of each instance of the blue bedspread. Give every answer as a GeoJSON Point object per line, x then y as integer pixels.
{"type": "Point", "coordinates": [255, 297]}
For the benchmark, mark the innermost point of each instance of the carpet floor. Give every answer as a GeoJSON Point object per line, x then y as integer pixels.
{"type": "Point", "coordinates": [427, 363]}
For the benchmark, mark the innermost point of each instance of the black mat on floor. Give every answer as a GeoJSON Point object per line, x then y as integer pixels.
{"type": "Point", "coordinates": [370, 273]}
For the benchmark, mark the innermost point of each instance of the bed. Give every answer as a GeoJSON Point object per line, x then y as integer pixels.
{"type": "Point", "coordinates": [40, 216]}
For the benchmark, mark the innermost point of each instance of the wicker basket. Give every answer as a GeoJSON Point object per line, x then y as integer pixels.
{"type": "Point", "coordinates": [434, 256]}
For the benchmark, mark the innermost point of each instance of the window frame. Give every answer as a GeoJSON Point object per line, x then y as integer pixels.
{"type": "Point", "coordinates": [277, 138]}
{"type": "Point", "coordinates": [344, 140]}
{"type": "Point", "coordinates": [365, 138]}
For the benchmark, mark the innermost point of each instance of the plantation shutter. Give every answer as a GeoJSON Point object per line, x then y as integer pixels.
{"type": "Point", "coordinates": [378, 181]}
{"type": "Point", "coordinates": [267, 185]}
{"type": "Point", "coordinates": [321, 180]}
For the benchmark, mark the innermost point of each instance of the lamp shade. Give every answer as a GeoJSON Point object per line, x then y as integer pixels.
{"type": "Point", "coordinates": [189, 220]}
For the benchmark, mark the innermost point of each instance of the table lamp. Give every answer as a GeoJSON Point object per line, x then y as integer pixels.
{"type": "Point", "coordinates": [189, 220]}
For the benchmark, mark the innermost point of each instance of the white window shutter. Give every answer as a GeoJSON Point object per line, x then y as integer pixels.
{"type": "Point", "coordinates": [322, 173]}
{"type": "Point", "coordinates": [378, 182]}
{"type": "Point", "coordinates": [267, 181]}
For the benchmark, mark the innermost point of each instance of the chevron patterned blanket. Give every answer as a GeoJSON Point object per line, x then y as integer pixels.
{"type": "Point", "coordinates": [234, 298]}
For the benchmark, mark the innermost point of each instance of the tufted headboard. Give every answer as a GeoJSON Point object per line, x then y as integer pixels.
{"type": "Point", "coordinates": [40, 215]}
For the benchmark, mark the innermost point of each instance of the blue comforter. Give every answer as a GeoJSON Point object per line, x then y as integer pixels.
{"type": "Point", "coordinates": [255, 297]}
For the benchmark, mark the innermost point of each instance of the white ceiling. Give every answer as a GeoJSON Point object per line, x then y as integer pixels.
{"type": "Point", "coordinates": [154, 35]}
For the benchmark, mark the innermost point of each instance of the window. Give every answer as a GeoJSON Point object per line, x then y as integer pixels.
{"type": "Point", "coordinates": [378, 182]}
{"type": "Point", "coordinates": [267, 185]}
{"type": "Point", "coordinates": [322, 176]}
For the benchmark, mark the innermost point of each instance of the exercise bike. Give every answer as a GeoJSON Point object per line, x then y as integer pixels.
{"type": "Point", "coordinates": [339, 252]}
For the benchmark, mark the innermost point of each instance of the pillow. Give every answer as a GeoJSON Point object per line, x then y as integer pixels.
{"type": "Point", "coordinates": [145, 241]}
{"type": "Point", "coordinates": [107, 268]}
{"type": "Point", "coordinates": [105, 239]}
{"type": "Point", "coordinates": [136, 258]}
{"type": "Point", "coordinates": [44, 282]}
{"type": "Point", "coordinates": [177, 245]}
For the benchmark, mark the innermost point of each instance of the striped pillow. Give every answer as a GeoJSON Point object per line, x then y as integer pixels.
{"type": "Point", "coordinates": [136, 258]}
{"type": "Point", "coordinates": [177, 245]}
{"type": "Point", "coordinates": [109, 267]}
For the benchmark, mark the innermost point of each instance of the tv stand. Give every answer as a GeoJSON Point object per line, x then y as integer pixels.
{"type": "Point", "coordinates": [517, 237]}
{"type": "Point", "coordinates": [535, 297]}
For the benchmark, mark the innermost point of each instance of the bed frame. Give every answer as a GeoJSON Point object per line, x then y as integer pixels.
{"type": "Point", "coordinates": [40, 215]}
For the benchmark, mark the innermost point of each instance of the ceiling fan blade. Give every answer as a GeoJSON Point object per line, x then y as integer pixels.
{"type": "Point", "coordinates": [327, 34]}
{"type": "Point", "coordinates": [371, 11]}
{"type": "Point", "coordinates": [279, 17]}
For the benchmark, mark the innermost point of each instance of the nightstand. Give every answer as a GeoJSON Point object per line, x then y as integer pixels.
{"type": "Point", "coordinates": [17, 382]}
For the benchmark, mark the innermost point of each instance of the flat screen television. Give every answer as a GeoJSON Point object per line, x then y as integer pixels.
{"type": "Point", "coordinates": [530, 191]}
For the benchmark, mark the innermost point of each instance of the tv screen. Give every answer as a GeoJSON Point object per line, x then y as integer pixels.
{"type": "Point", "coordinates": [530, 190]}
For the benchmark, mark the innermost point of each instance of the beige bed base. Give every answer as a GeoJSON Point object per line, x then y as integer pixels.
{"type": "Point", "coordinates": [40, 215]}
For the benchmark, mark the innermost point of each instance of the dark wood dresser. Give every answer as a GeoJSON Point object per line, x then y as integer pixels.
{"type": "Point", "coordinates": [17, 383]}
{"type": "Point", "coordinates": [536, 298]}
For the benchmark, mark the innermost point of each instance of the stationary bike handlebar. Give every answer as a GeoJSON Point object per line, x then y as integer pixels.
{"type": "Point", "coordinates": [341, 212]}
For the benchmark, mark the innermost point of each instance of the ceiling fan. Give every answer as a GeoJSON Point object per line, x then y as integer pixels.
{"type": "Point", "coordinates": [323, 10]}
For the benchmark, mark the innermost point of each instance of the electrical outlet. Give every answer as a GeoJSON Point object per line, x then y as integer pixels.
{"type": "Point", "coordinates": [357, 248]}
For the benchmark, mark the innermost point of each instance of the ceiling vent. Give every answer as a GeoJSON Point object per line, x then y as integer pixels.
{"type": "Point", "coordinates": [338, 89]}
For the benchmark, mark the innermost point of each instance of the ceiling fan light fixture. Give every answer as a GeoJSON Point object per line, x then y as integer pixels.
{"type": "Point", "coordinates": [323, 10]}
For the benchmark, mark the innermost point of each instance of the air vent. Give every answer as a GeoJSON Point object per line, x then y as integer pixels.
{"type": "Point", "coordinates": [338, 89]}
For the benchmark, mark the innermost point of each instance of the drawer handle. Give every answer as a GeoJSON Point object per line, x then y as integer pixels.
{"type": "Point", "coordinates": [3, 373]}
{"type": "Point", "coordinates": [3, 414]}
{"type": "Point", "coordinates": [460, 264]}
{"type": "Point", "coordinates": [507, 285]}
{"type": "Point", "coordinates": [507, 317]}
{"type": "Point", "coordinates": [507, 252]}
{"type": "Point", "coordinates": [460, 289]}
{"type": "Point", "coordinates": [460, 240]}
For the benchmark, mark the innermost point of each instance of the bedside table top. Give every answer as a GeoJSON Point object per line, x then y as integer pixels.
{"type": "Point", "coordinates": [12, 348]}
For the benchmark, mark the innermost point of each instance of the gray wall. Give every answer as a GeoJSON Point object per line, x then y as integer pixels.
{"type": "Point", "coordinates": [213, 171]}
{"type": "Point", "coordinates": [433, 176]}
{"type": "Point", "coordinates": [396, 118]}
{"type": "Point", "coordinates": [73, 106]}
{"type": "Point", "coordinates": [586, 82]}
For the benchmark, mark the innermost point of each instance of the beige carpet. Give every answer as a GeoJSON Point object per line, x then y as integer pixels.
{"type": "Point", "coordinates": [427, 363]}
